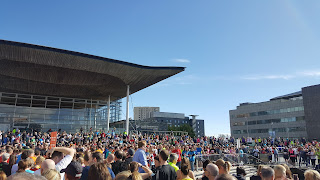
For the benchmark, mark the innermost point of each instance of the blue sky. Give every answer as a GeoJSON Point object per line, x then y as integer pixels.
{"type": "Point", "coordinates": [234, 51]}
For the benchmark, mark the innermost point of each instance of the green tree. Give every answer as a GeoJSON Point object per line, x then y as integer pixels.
{"type": "Point", "coordinates": [184, 127]}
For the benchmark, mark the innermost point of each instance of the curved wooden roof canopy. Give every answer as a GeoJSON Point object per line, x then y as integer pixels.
{"type": "Point", "coordinates": [39, 70]}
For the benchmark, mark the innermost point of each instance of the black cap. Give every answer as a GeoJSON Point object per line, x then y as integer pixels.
{"type": "Point", "coordinates": [74, 169]}
{"type": "Point", "coordinates": [131, 152]}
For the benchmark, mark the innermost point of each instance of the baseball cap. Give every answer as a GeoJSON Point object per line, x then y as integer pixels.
{"type": "Point", "coordinates": [131, 152]}
{"type": "Point", "coordinates": [74, 169]}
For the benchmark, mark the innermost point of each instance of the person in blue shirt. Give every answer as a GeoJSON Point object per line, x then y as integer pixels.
{"type": "Point", "coordinates": [192, 157]}
{"type": "Point", "coordinates": [140, 155]}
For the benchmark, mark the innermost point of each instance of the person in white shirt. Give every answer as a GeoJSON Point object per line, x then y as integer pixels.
{"type": "Point", "coordinates": [61, 161]}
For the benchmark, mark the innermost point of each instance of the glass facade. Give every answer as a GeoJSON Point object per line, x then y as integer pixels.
{"type": "Point", "coordinates": [269, 121]}
{"type": "Point", "coordinates": [270, 112]}
{"type": "Point", "coordinates": [48, 112]}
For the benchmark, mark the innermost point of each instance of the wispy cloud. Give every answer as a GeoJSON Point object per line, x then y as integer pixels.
{"type": "Point", "coordinates": [259, 77]}
{"type": "Point", "coordinates": [182, 60]}
{"type": "Point", "coordinates": [301, 74]}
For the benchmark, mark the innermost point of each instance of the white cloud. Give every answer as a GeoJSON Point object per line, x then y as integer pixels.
{"type": "Point", "coordinates": [301, 74]}
{"type": "Point", "coordinates": [182, 60]}
{"type": "Point", "coordinates": [310, 73]}
{"type": "Point", "coordinates": [259, 77]}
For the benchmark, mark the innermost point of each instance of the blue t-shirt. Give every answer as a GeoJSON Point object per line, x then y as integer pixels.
{"type": "Point", "coordinates": [192, 156]}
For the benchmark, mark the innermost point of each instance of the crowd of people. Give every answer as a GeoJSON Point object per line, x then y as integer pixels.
{"type": "Point", "coordinates": [99, 155]}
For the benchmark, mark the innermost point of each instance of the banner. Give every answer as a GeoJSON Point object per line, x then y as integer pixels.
{"type": "Point", "coordinates": [53, 139]}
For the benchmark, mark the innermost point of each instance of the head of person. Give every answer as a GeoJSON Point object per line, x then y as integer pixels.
{"type": "Point", "coordinates": [130, 152]}
{"type": "Point", "coordinates": [51, 174]}
{"type": "Point", "coordinates": [26, 153]}
{"type": "Point", "coordinates": [124, 175]}
{"type": "Point", "coordinates": [288, 171]}
{"type": "Point", "coordinates": [173, 158]}
{"type": "Point", "coordinates": [47, 164]}
{"type": "Point", "coordinates": [259, 169]}
{"type": "Point", "coordinates": [205, 163]}
{"type": "Point", "coordinates": [211, 171]}
{"type": "Point", "coordinates": [163, 155]}
{"type": "Point", "coordinates": [39, 160]}
{"type": "Point", "coordinates": [224, 166]}
{"type": "Point", "coordinates": [73, 171]}
{"type": "Point", "coordinates": [280, 172]}
{"type": "Point", "coordinates": [25, 175]}
{"type": "Point", "coordinates": [57, 156]}
{"type": "Point", "coordinates": [133, 166]}
{"type": "Point", "coordinates": [110, 158]}
{"type": "Point", "coordinates": [266, 173]}
{"type": "Point", "coordinates": [118, 155]}
{"type": "Point", "coordinates": [142, 145]}
{"type": "Point", "coordinates": [311, 175]}
{"type": "Point", "coordinates": [241, 171]}
{"type": "Point", "coordinates": [96, 157]}
{"type": "Point", "coordinates": [225, 177]}
{"type": "Point", "coordinates": [185, 166]}
{"type": "Point", "coordinates": [5, 157]}
{"type": "Point", "coordinates": [156, 161]}
{"type": "Point", "coordinates": [22, 165]}
{"type": "Point", "coordinates": [99, 171]}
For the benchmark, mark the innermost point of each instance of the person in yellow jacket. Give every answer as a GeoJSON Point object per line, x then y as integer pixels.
{"type": "Point", "coordinates": [173, 161]}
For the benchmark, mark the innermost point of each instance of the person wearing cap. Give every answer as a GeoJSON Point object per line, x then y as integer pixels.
{"type": "Point", "coordinates": [4, 166]}
{"type": "Point", "coordinates": [73, 171]}
{"type": "Point", "coordinates": [129, 158]}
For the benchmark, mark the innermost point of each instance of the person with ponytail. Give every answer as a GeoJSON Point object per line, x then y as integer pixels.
{"type": "Point", "coordinates": [185, 172]}
{"type": "Point", "coordinates": [134, 168]}
{"type": "Point", "coordinates": [224, 166]}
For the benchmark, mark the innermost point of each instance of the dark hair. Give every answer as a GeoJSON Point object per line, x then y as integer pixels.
{"type": "Point", "coordinates": [22, 165]}
{"type": "Point", "coordinates": [56, 154]}
{"type": "Point", "coordinates": [185, 166]}
{"type": "Point", "coordinates": [12, 160]}
{"type": "Point", "coordinates": [164, 154]}
{"type": "Point", "coordinates": [133, 166]}
{"type": "Point", "coordinates": [99, 171]}
{"type": "Point", "coordinates": [241, 171]}
{"type": "Point", "coordinates": [98, 156]}
{"type": "Point", "coordinates": [205, 163]}
{"type": "Point", "coordinates": [141, 144]}
{"type": "Point", "coordinates": [25, 154]}
{"type": "Point", "coordinates": [37, 152]}
{"type": "Point", "coordinates": [86, 156]}
{"type": "Point", "coordinates": [118, 154]}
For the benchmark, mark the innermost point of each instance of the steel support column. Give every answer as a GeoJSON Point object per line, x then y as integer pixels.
{"type": "Point", "coordinates": [127, 113]}
{"type": "Point", "coordinates": [108, 114]}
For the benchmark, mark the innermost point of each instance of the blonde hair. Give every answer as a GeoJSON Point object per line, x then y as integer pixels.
{"type": "Point", "coordinates": [39, 160]}
{"type": "Point", "coordinates": [288, 171]}
{"type": "Point", "coordinates": [279, 171]}
{"type": "Point", "coordinates": [51, 174]}
{"type": "Point", "coordinates": [226, 165]}
{"type": "Point", "coordinates": [311, 175]}
{"type": "Point", "coordinates": [125, 175]}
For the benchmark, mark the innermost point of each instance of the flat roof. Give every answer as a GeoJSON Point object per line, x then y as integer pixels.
{"type": "Point", "coordinates": [34, 69]}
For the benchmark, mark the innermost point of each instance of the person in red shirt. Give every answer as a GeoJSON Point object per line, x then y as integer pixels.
{"type": "Point", "coordinates": [178, 152]}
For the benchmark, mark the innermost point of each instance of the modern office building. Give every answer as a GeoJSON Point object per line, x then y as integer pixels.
{"type": "Point", "coordinates": [161, 121]}
{"type": "Point", "coordinates": [141, 113]}
{"type": "Point", "coordinates": [48, 88]}
{"type": "Point", "coordinates": [295, 115]}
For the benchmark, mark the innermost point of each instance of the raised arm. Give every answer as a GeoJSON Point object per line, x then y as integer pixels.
{"type": "Point", "coordinates": [65, 150]}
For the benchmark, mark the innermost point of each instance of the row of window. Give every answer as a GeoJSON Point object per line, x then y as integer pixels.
{"type": "Point", "coordinates": [269, 121]}
{"type": "Point", "coordinates": [270, 112]}
{"type": "Point", "coordinates": [291, 129]}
